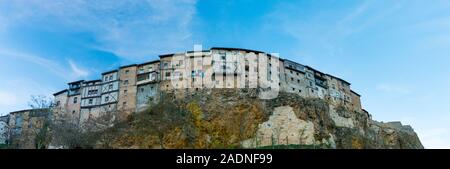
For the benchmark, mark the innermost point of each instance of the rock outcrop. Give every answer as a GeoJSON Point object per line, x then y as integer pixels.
{"type": "Point", "coordinates": [239, 119]}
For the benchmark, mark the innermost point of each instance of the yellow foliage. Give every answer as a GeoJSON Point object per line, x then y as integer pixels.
{"type": "Point", "coordinates": [357, 143]}
{"type": "Point", "coordinates": [197, 114]}
{"type": "Point", "coordinates": [174, 139]}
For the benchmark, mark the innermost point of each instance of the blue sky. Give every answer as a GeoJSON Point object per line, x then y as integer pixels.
{"type": "Point", "coordinates": [396, 54]}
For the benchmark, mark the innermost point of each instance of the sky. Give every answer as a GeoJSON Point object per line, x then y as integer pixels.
{"type": "Point", "coordinates": [396, 53]}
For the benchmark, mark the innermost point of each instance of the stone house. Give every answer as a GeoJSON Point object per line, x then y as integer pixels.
{"type": "Point", "coordinates": [127, 90]}
{"type": "Point", "coordinates": [25, 125]}
{"type": "Point", "coordinates": [109, 91]}
{"type": "Point", "coordinates": [90, 100]}
{"type": "Point", "coordinates": [4, 129]}
{"type": "Point", "coordinates": [147, 84]}
{"type": "Point", "coordinates": [74, 100]}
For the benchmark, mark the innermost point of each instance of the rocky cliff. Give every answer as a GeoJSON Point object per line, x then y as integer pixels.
{"type": "Point", "coordinates": [239, 119]}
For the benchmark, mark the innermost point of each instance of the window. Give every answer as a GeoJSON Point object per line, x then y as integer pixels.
{"type": "Point", "coordinates": [293, 89]}
{"type": "Point", "coordinates": [110, 86]}
{"type": "Point", "coordinates": [127, 71]}
{"type": "Point", "coordinates": [292, 79]}
{"type": "Point", "coordinates": [124, 103]}
{"type": "Point", "coordinates": [106, 98]}
{"type": "Point", "coordinates": [166, 65]}
{"type": "Point", "coordinates": [299, 91]}
{"type": "Point", "coordinates": [142, 89]}
{"type": "Point", "coordinates": [125, 82]}
{"type": "Point", "coordinates": [111, 77]}
{"type": "Point", "coordinates": [125, 92]}
{"type": "Point", "coordinates": [90, 101]}
{"type": "Point", "coordinates": [73, 112]}
{"type": "Point", "coordinates": [167, 74]}
{"type": "Point", "coordinates": [91, 92]}
{"type": "Point", "coordinates": [75, 100]}
{"type": "Point", "coordinates": [151, 88]}
{"type": "Point", "coordinates": [106, 78]}
{"type": "Point", "coordinates": [298, 81]}
{"type": "Point", "coordinates": [57, 103]}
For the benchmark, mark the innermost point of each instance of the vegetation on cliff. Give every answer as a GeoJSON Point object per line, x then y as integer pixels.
{"type": "Point", "coordinates": [233, 119]}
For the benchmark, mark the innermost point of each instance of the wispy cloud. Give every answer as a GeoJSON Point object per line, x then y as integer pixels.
{"type": "Point", "coordinates": [77, 72]}
{"type": "Point", "coordinates": [128, 28]}
{"type": "Point", "coordinates": [70, 72]}
{"type": "Point", "coordinates": [391, 88]}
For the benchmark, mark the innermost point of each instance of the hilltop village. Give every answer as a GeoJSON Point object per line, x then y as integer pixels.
{"type": "Point", "coordinates": [132, 88]}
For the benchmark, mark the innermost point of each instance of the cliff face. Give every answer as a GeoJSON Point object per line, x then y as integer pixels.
{"type": "Point", "coordinates": [239, 119]}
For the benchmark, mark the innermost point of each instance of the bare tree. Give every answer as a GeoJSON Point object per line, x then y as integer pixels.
{"type": "Point", "coordinates": [40, 102]}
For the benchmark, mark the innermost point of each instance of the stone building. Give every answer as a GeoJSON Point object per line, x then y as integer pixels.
{"type": "Point", "coordinates": [90, 100]}
{"type": "Point", "coordinates": [128, 90]}
{"type": "Point", "coordinates": [59, 109]}
{"type": "Point", "coordinates": [147, 82]}
{"type": "Point", "coordinates": [25, 125]}
{"type": "Point", "coordinates": [295, 80]}
{"type": "Point", "coordinates": [133, 87]}
{"type": "Point", "coordinates": [4, 129]}
{"type": "Point", "coordinates": [110, 91]}
{"type": "Point", "coordinates": [74, 100]}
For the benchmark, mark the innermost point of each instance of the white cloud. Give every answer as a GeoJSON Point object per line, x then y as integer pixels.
{"type": "Point", "coordinates": [68, 73]}
{"type": "Point", "coordinates": [128, 28]}
{"type": "Point", "coordinates": [390, 88]}
{"type": "Point", "coordinates": [77, 72]}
